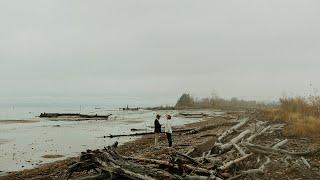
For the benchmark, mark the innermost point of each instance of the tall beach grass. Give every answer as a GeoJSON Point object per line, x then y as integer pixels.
{"type": "Point", "coordinates": [302, 114]}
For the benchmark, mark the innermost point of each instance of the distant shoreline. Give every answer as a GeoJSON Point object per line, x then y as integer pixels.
{"type": "Point", "coordinates": [17, 121]}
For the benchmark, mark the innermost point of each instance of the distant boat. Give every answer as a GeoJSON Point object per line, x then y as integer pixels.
{"type": "Point", "coordinates": [97, 108]}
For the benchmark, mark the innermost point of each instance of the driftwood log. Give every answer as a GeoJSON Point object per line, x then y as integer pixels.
{"type": "Point", "coordinates": [76, 115]}
{"type": "Point", "coordinates": [229, 164]}
{"type": "Point", "coordinates": [219, 148]}
{"type": "Point", "coordinates": [272, 151]}
{"type": "Point", "coordinates": [279, 144]}
{"type": "Point", "coordinates": [233, 128]}
{"type": "Point", "coordinates": [258, 170]}
{"type": "Point", "coordinates": [145, 133]}
{"type": "Point", "coordinates": [253, 136]}
{"type": "Point", "coordinates": [206, 128]}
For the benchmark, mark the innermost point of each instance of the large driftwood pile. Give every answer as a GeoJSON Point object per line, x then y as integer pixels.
{"type": "Point", "coordinates": [232, 156]}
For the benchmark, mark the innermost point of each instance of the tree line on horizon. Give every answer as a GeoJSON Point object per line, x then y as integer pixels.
{"type": "Point", "coordinates": [186, 101]}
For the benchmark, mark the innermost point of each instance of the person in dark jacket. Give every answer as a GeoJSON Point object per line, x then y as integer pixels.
{"type": "Point", "coordinates": [157, 130]}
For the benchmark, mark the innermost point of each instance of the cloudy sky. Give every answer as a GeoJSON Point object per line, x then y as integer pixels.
{"type": "Point", "coordinates": [149, 52]}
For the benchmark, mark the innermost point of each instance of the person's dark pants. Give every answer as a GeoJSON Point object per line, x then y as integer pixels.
{"type": "Point", "coordinates": [169, 137]}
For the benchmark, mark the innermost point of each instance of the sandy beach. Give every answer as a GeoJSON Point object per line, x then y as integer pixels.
{"type": "Point", "coordinates": [2, 141]}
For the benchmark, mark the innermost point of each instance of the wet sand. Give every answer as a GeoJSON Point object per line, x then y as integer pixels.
{"type": "Point", "coordinates": [23, 143]}
{"type": "Point", "coordinates": [17, 121]}
{"type": "Point", "coordinates": [2, 141]}
{"type": "Point", "coordinates": [141, 146]}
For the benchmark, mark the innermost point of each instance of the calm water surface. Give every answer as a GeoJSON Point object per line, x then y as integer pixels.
{"type": "Point", "coordinates": [22, 145]}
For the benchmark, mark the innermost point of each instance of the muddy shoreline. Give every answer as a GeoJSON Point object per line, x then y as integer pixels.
{"type": "Point", "coordinates": [56, 170]}
{"type": "Point", "coordinates": [201, 141]}
{"type": "Point", "coordinates": [24, 144]}
{"type": "Point", "coordinates": [17, 121]}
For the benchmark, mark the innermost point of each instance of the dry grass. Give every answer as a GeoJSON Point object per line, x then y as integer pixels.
{"type": "Point", "coordinates": [306, 106]}
{"type": "Point", "coordinates": [307, 126]}
{"type": "Point", "coordinates": [301, 114]}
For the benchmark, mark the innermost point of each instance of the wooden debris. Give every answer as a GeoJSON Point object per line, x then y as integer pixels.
{"type": "Point", "coordinates": [73, 115]}
{"type": "Point", "coordinates": [260, 169]}
{"type": "Point", "coordinates": [193, 115]}
{"type": "Point", "coordinates": [229, 164]}
{"type": "Point", "coordinates": [267, 150]}
{"type": "Point", "coordinates": [279, 144]}
{"type": "Point", "coordinates": [144, 133]}
{"type": "Point", "coordinates": [228, 160]}
{"type": "Point", "coordinates": [239, 149]}
{"type": "Point", "coordinates": [190, 177]}
{"type": "Point", "coordinates": [206, 128]}
{"type": "Point", "coordinates": [110, 162]}
{"type": "Point", "coordinates": [253, 136]}
{"type": "Point", "coordinates": [232, 129]}
{"type": "Point", "coordinates": [304, 160]}
{"type": "Point", "coordinates": [135, 129]}
{"type": "Point", "coordinates": [222, 148]}
{"type": "Point", "coordinates": [190, 151]}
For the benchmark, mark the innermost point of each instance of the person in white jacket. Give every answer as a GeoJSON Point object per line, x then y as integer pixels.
{"type": "Point", "coordinates": [168, 129]}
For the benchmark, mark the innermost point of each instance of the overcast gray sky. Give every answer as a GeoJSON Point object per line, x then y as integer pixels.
{"type": "Point", "coordinates": [149, 52]}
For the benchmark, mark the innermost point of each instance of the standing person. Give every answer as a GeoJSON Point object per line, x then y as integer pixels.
{"type": "Point", "coordinates": [157, 130]}
{"type": "Point", "coordinates": [168, 130]}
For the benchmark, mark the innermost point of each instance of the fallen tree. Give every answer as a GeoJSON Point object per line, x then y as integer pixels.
{"type": "Point", "coordinates": [220, 148]}
{"type": "Point", "coordinates": [273, 151]}
{"type": "Point", "coordinates": [233, 129]}
{"type": "Point", "coordinates": [206, 128]}
{"type": "Point", "coordinates": [145, 133]}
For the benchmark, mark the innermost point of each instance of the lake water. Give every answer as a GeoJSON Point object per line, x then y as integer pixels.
{"type": "Point", "coordinates": [22, 145]}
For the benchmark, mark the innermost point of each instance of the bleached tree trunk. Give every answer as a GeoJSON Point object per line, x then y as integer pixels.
{"type": "Point", "coordinates": [239, 149]}
{"type": "Point", "coordinates": [304, 160]}
{"type": "Point", "coordinates": [253, 136]}
{"type": "Point", "coordinates": [279, 144]}
{"type": "Point", "coordinates": [230, 163]}
{"type": "Point", "coordinates": [259, 170]}
{"type": "Point", "coordinates": [222, 148]}
{"type": "Point", "coordinates": [233, 128]}
{"type": "Point", "coordinates": [268, 150]}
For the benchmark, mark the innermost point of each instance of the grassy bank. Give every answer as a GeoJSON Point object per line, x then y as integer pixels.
{"type": "Point", "coordinates": [301, 114]}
